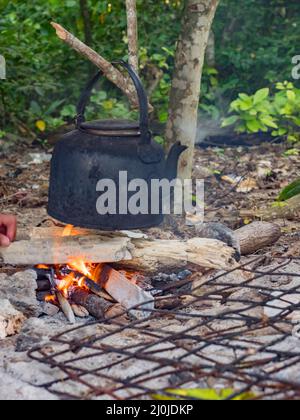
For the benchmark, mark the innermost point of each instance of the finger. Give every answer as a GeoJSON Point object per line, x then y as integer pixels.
{"type": "Point", "coordinates": [10, 224]}
{"type": "Point", "coordinates": [4, 240]}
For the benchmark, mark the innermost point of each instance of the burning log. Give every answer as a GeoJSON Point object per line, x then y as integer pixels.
{"type": "Point", "coordinates": [96, 289]}
{"type": "Point", "coordinates": [66, 308]}
{"type": "Point", "coordinates": [142, 255]}
{"type": "Point", "coordinates": [96, 306]}
{"type": "Point", "coordinates": [125, 292]}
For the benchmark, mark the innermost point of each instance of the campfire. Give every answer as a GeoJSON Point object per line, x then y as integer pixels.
{"type": "Point", "coordinates": [81, 288]}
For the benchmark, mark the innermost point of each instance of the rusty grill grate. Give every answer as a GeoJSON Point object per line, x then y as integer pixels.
{"type": "Point", "coordinates": [242, 336]}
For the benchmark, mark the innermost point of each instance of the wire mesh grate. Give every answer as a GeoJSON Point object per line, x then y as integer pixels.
{"type": "Point", "coordinates": [236, 330]}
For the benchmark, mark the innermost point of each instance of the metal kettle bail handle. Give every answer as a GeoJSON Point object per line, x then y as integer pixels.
{"type": "Point", "coordinates": [142, 96]}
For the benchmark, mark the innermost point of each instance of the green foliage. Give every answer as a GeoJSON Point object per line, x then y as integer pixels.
{"type": "Point", "coordinates": [277, 113]}
{"type": "Point", "coordinates": [255, 41]}
{"type": "Point", "coordinates": [45, 77]}
{"type": "Point", "coordinates": [290, 191]}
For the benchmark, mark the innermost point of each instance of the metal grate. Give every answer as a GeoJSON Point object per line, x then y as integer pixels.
{"type": "Point", "coordinates": [238, 330]}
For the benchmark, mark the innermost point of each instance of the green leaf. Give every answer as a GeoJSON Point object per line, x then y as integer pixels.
{"type": "Point", "coordinates": [204, 395]}
{"type": "Point", "coordinates": [261, 95]}
{"type": "Point", "coordinates": [253, 126]}
{"type": "Point", "coordinates": [291, 152]}
{"type": "Point", "coordinates": [269, 122]}
{"type": "Point", "coordinates": [290, 191]}
{"type": "Point", "coordinates": [291, 95]}
{"type": "Point", "coordinates": [230, 121]}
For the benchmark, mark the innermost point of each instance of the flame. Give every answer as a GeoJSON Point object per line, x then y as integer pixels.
{"type": "Point", "coordinates": [79, 265]}
{"type": "Point", "coordinates": [67, 230]}
{"type": "Point", "coordinates": [50, 299]}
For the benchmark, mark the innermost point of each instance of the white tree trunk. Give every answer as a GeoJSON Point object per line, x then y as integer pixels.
{"type": "Point", "coordinates": [185, 93]}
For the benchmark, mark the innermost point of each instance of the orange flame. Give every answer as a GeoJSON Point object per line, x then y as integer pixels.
{"type": "Point", "coordinates": [50, 299]}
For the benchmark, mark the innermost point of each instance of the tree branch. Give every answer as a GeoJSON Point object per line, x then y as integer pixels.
{"type": "Point", "coordinates": [113, 74]}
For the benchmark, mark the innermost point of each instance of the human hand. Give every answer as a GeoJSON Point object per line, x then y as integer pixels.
{"type": "Point", "coordinates": [8, 229]}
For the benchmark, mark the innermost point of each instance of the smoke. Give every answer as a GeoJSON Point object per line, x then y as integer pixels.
{"type": "Point", "coordinates": [210, 122]}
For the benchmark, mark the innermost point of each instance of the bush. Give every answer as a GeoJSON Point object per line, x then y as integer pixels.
{"type": "Point", "coordinates": [277, 114]}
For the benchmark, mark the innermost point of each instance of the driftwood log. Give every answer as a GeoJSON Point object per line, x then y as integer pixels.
{"type": "Point", "coordinates": [144, 255]}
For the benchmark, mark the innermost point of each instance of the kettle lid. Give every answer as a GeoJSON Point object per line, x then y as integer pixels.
{"type": "Point", "coordinates": [111, 127]}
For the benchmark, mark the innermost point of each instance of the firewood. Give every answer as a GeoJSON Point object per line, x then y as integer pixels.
{"type": "Point", "coordinates": [97, 290]}
{"type": "Point", "coordinates": [63, 250]}
{"type": "Point", "coordinates": [66, 308]}
{"type": "Point", "coordinates": [126, 293]}
{"type": "Point", "coordinates": [257, 235]}
{"type": "Point", "coordinates": [96, 306]}
{"type": "Point", "coordinates": [80, 311]}
{"type": "Point", "coordinates": [168, 302]}
{"type": "Point", "coordinates": [113, 74]}
{"type": "Point", "coordinates": [143, 255]}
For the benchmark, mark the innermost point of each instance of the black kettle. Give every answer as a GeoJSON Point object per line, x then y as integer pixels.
{"type": "Point", "coordinates": [98, 152]}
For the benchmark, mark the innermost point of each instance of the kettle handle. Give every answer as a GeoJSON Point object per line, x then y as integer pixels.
{"type": "Point", "coordinates": [142, 96]}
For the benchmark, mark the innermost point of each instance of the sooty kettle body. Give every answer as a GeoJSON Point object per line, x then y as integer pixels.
{"type": "Point", "coordinates": [104, 150]}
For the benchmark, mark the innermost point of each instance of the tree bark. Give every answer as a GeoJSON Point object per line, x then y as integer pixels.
{"type": "Point", "coordinates": [132, 33]}
{"type": "Point", "coordinates": [185, 92]}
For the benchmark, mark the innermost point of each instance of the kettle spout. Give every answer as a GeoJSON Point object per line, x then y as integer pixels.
{"type": "Point", "coordinates": [173, 159]}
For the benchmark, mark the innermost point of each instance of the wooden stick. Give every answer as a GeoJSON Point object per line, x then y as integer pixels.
{"type": "Point", "coordinates": [97, 290]}
{"type": "Point", "coordinates": [80, 311]}
{"type": "Point", "coordinates": [113, 74]}
{"type": "Point", "coordinates": [66, 308]}
{"type": "Point", "coordinates": [132, 33]}
{"type": "Point", "coordinates": [168, 302]}
{"type": "Point", "coordinates": [95, 305]}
